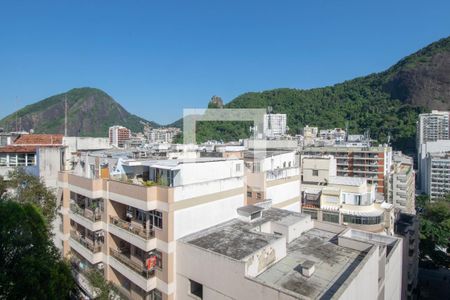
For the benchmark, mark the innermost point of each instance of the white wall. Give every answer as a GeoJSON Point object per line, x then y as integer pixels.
{"type": "Point", "coordinates": [208, 171]}
{"type": "Point", "coordinates": [282, 192]}
{"type": "Point", "coordinates": [193, 219]}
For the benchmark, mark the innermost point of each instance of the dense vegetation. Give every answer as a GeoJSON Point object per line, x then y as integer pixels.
{"type": "Point", "coordinates": [434, 229]}
{"type": "Point", "coordinates": [360, 103]}
{"type": "Point", "coordinates": [386, 104]}
{"type": "Point", "coordinates": [30, 264]}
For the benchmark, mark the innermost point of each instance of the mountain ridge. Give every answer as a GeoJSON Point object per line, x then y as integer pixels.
{"type": "Point", "coordinates": [386, 103]}
{"type": "Point", "coordinates": [91, 112]}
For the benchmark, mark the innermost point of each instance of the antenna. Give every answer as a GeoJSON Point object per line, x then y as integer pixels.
{"type": "Point", "coordinates": [65, 115]}
{"type": "Point", "coordinates": [17, 122]}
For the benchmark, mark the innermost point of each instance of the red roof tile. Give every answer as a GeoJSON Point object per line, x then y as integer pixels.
{"type": "Point", "coordinates": [18, 149]}
{"type": "Point", "coordinates": [39, 139]}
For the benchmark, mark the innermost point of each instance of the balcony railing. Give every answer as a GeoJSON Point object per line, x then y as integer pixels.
{"type": "Point", "coordinates": [90, 245]}
{"type": "Point", "coordinates": [136, 267]}
{"type": "Point", "coordinates": [145, 233]}
{"type": "Point", "coordinates": [87, 213]}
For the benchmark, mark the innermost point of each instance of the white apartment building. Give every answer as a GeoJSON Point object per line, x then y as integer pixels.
{"type": "Point", "coordinates": [274, 125]}
{"type": "Point", "coordinates": [402, 183]}
{"type": "Point", "coordinates": [277, 254]}
{"type": "Point", "coordinates": [342, 200]}
{"type": "Point", "coordinates": [433, 136]}
{"type": "Point", "coordinates": [437, 175]}
{"type": "Point", "coordinates": [118, 135]}
{"type": "Point", "coordinates": [162, 135]}
{"type": "Point", "coordinates": [123, 216]}
{"type": "Point", "coordinates": [273, 176]}
{"type": "Point", "coordinates": [432, 127]}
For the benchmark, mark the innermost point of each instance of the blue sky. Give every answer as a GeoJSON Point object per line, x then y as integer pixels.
{"type": "Point", "coordinates": [158, 57]}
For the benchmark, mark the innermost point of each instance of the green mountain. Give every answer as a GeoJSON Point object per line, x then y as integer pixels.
{"type": "Point", "coordinates": [90, 112]}
{"type": "Point", "coordinates": [386, 103]}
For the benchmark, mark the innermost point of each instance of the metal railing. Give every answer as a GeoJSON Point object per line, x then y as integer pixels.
{"type": "Point", "coordinates": [90, 245]}
{"type": "Point", "coordinates": [145, 233]}
{"type": "Point", "coordinates": [87, 213]}
{"type": "Point", "coordinates": [136, 267]}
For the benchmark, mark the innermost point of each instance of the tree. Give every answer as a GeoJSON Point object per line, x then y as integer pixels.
{"type": "Point", "coordinates": [435, 229]}
{"type": "Point", "coordinates": [30, 265]}
{"type": "Point", "coordinates": [30, 189]}
{"type": "Point", "coordinates": [105, 290]}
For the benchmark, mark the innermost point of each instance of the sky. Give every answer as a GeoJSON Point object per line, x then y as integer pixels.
{"type": "Point", "coordinates": [158, 57]}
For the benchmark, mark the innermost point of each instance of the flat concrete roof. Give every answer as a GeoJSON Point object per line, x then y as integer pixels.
{"type": "Point", "coordinates": [333, 265]}
{"type": "Point", "coordinates": [236, 239]}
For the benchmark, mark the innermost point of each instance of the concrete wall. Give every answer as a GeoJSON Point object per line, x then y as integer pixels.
{"type": "Point", "coordinates": [198, 217]}
{"type": "Point", "coordinates": [221, 277]}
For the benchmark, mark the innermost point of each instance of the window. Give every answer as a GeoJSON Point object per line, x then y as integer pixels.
{"type": "Point", "coordinates": [255, 215]}
{"type": "Point", "coordinates": [249, 194]}
{"type": "Point", "coordinates": [315, 172]}
{"type": "Point", "coordinates": [156, 218]}
{"type": "Point", "coordinates": [3, 159]}
{"type": "Point", "coordinates": [258, 196]}
{"type": "Point", "coordinates": [362, 220]}
{"type": "Point", "coordinates": [330, 217]}
{"type": "Point", "coordinates": [238, 167]}
{"type": "Point", "coordinates": [196, 289]}
{"type": "Point", "coordinates": [155, 295]}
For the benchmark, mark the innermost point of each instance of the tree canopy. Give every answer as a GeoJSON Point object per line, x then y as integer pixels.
{"type": "Point", "coordinates": [30, 265]}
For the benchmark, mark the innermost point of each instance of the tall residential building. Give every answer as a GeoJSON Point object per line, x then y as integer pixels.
{"type": "Point", "coordinates": [432, 127]}
{"type": "Point", "coordinates": [437, 175]}
{"type": "Point", "coordinates": [273, 176]}
{"type": "Point", "coordinates": [274, 125]}
{"type": "Point", "coordinates": [372, 163]}
{"type": "Point", "coordinates": [123, 216]}
{"type": "Point", "coordinates": [342, 200]}
{"type": "Point", "coordinates": [407, 226]}
{"type": "Point", "coordinates": [277, 254]}
{"type": "Point", "coordinates": [118, 135]}
{"type": "Point", "coordinates": [402, 183]}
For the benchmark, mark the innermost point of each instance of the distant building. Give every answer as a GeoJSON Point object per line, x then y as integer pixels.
{"type": "Point", "coordinates": [162, 135]}
{"type": "Point", "coordinates": [274, 125]}
{"type": "Point", "coordinates": [342, 200]}
{"type": "Point", "coordinates": [372, 163]}
{"type": "Point", "coordinates": [402, 183]}
{"type": "Point", "coordinates": [437, 175]}
{"type": "Point", "coordinates": [118, 135]}
{"type": "Point", "coordinates": [432, 127]}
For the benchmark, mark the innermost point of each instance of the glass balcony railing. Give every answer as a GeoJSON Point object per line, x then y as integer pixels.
{"type": "Point", "coordinates": [134, 228]}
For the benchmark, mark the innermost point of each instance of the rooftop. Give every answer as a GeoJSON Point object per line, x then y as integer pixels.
{"type": "Point", "coordinates": [342, 180]}
{"type": "Point", "coordinates": [18, 149]}
{"type": "Point", "coordinates": [333, 265]}
{"type": "Point", "coordinates": [39, 139]}
{"type": "Point", "coordinates": [238, 240]}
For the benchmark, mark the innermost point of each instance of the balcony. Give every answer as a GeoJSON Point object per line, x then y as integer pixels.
{"type": "Point", "coordinates": [138, 268]}
{"type": "Point", "coordinates": [134, 228]}
{"type": "Point", "coordinates": [86, 243]}
{"type": "Point", "coordinates": [86, 213]}
{"type": "Point", "coordinates": [122, 192]}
